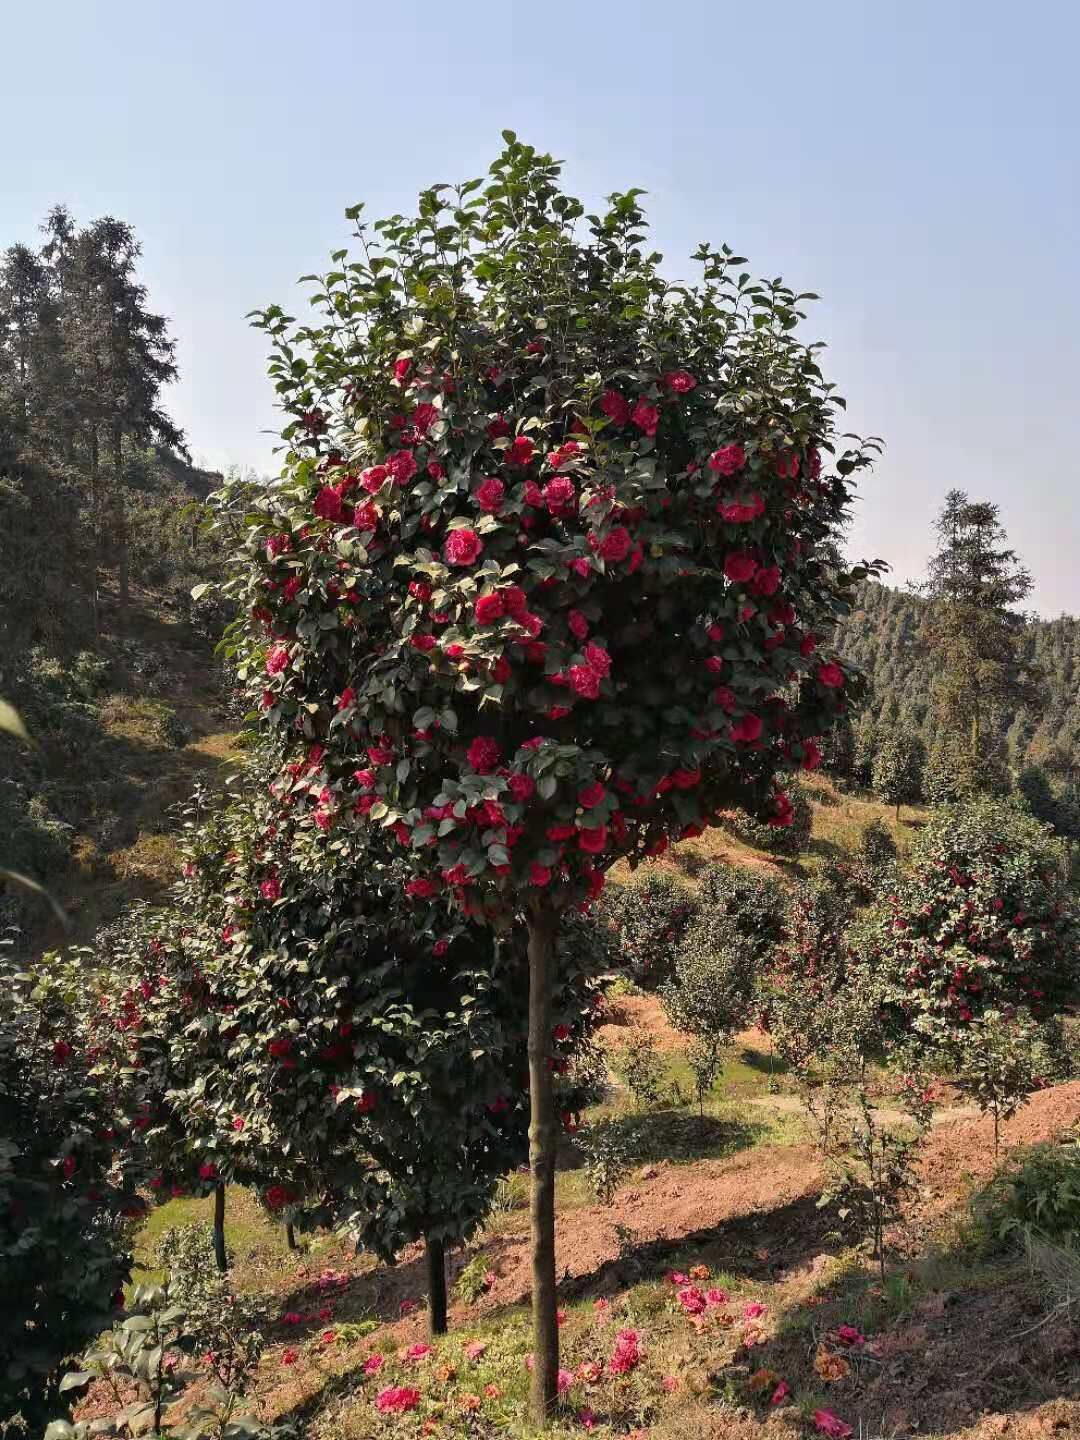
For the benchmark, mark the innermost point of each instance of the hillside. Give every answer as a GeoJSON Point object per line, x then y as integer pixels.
{"type": "Point", "coordinates": [882, 637]}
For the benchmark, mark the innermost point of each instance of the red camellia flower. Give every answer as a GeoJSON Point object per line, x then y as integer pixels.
{"type": "Point", "coordinates": [521, 787]}
{"type": "Point", "coordinates": [831, 675]}
{"type": "Point", "coordinates": [767, 581]}
{"type": "Point", "coordinates": [560, 496]}
{"type": "Point", "coordinates": [488, 609]}
{"type": "Point", "coordinates": [585, 681]}
{"type": "Point", "coordinates": [746, 729]}
{"type": "Point", "coordinates": [402, 370]}
{"type": "Point", "coordinates": [615, 407]}
{"type": "Point", "coordinates": [68, 1166]}
{"type": "Point", "coordinates": [277, 660]}
{"type": "Point", "coordinates": [811, 757]}
{"type": "Point", "coordinates": [328, 504]}
{"type": "Point", "coordinates": [422, 889]}
{"type": "Point", "coordinates": [727, 460]}
{"type": "Point", "coordinates": [739, 566]}
{"type": "Point", "coordinates": [270, 889]}
{"type": "Point", "coordinates": [401, 466]}
{"type": "Point", "coordinates": [615, 545]}
{"type": "Point", "coordinates": [680, 382]}
{"type": "Point", "coordinates": [593, 840]}
{"type": "Point", "coordinates": [591, 795]}
{"type": "Point", "coordinates": [60, 1052]}
{"type": "Point", "coordinates": [646, 417]}
{"type": "Point", "coordinates": [484, 754]}
{"type": "Point", "coordinates": [208, 1171]}
{"type": "Point", "coordinates": [490, 494]}
{"type": "Point", "coordinates": [521, 451]}
{"type": "Point", "coordinates": [462, 547]}
{"type": "Point", "coordinates": [539, 874]}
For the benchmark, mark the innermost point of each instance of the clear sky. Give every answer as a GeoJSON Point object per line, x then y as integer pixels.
{"type": "Point", "coordinates": [915, 163]}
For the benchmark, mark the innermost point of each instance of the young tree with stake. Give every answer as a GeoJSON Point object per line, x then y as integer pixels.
{"type": "Point", "coordinates": [546, 572]}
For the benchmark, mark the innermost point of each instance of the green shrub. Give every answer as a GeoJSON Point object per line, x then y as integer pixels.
{"type": "Point", "coordinates": [640, 1067]}
{"type": "Point", "coordinates": [788, 840]}
{"type": "Point", "coordinates": [608, 1153]}
{"type": "Point", "coordinates": [649, 916]}
{"type": "Point", "coordinates": [1036, 1193]}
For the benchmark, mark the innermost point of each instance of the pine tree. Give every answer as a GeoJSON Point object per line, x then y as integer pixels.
{"type": "Point", "coordinates": [973, 632]}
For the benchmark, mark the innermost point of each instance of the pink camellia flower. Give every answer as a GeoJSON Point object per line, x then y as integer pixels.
{"type": "Point", "coordinates": [753, 1311]}
{"type": "Point", "coordinates": [691, 1299]}
{"type": "Point", "coordinates": [564, 1381]}
{"type": "Point", "coordinates": [598, 660]}
{"type": "Point", "coordinates": [670, 1383]}
{"type": "Point", "coordinates": [780, 1394]}
{"type": "Point", "coordinates": [277, 660]}
{"type": "Point", "coordinates": [849, 1335]}
{"type": "Point", "coordinates": [678, 1278]}
{"type": "Point", "coordinates": [716, 1297]}
{"type": "Point", "coordinates": [373, 1364]}
{"type": "Point", "coordinates": [584, 681]}
{"type": "Point", "coordinates": [396, 1400]}
{"type": "Point", "coordinates": [739, 566]}
{"type": "Point", "coordinates": [600, 1305]}
{"type": "Point", "coordinates": [627, 1353]}
{"type": "Point", "coordinates": [679, 382]}
{"type": "Point", "coordinates": [831, 675]}
{"type": "Point", "coordinates": [462, 547]}
{"type": "Point", "coordinates": [270, 889]}
{"type": "Point", "coordinates": [475, 1349]}
{"type": "Point", "coordinates": [490, 494]}
{"type": "Point", "coordinates": [727, 460]}
{"type": "Point", "coordinates": [488, 609]}
{"type": "Point", "coordinates": [415, 1353]}
{"type": "Point", "coordinates": [586, 1418]}
{"type": "Point", "coordinates": [484, 754]}
{"type": "Point", "coordinates": [831, 1425]}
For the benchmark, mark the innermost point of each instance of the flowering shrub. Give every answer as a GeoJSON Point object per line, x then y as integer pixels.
{"type": "Point", "coordinates": [981, 920]}
{"type": "Point", "coordinates": [648, 916]}
{"type": "Point", "coordinates": [63, 1200]}
{"type": "Point", "coordinates": [544, 580]}
{"type": "Point", "coordinates": [790, 838]}
{"type": "Point", "coordinates": [751, 904]}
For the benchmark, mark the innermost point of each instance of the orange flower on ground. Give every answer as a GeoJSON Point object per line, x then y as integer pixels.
{"type": "Point", "coordinates": [699, 1272]}
{"type": "Point", "coordinates": [830, 1366]}
{"type": "Point", "coordinates": [492, 1392]}
{"type": "Point", "coordinates": [469, 1403]}
{"type": "Point", "coordinates": [763, 1380]}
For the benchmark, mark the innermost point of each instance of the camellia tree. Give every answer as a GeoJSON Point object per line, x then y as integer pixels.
{"type": "Point", "coordinates": [302, 1036]}
{"type": "Point", "coordinates": [976, 947]}
{"type": "Point", "coordinates": [543, 581]}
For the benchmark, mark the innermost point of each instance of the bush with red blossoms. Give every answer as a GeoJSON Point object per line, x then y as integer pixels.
{"type": "Point", "coordinates": [66, 1200]}
{"type": "Point", "coordinates": [981, 919]}
{"type": "Point", "coordinates": [663, 555]}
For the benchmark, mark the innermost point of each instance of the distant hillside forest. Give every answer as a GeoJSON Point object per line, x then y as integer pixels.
{"type": "Point", "coordinates": [885, 637]}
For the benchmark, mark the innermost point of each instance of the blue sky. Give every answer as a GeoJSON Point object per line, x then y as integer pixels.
{"type": "Point", "coordinates": [916, 164]}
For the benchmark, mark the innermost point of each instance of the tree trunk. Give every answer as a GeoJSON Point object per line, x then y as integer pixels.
{"type": "Point", "coordinates": [124, 560]}
{"type": "Point", "coordinates": [95, 528]}
{"type": "Point", "coordinates": [290, 1236]}
{"type": "Point", "coordinates": [220, 1257]}
{"type": "Point", "coordinates": [543, 1142]}
{"type": "Point", "coordinates": [898, 812]}
{"type": "Point", "coordinates": [436, 1277]}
